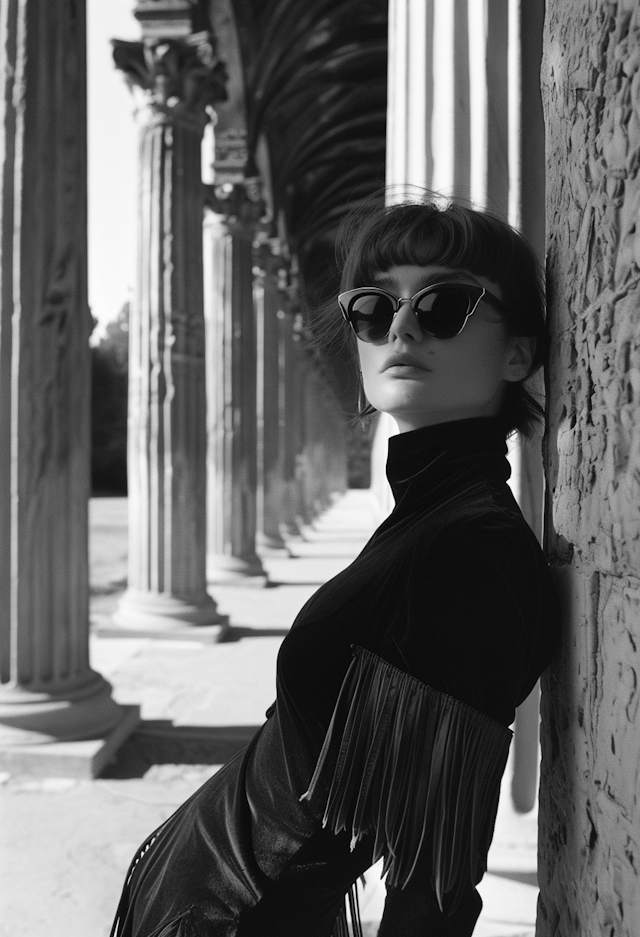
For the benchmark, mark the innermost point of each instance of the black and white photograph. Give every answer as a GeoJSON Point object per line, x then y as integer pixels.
{"type": "Point", "coordinates": [319, 468]}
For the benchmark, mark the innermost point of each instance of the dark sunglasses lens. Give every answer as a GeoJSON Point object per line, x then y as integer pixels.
{"type": "Point", "coordinates": [371, 315]}
{"type": "Point", "coordinates": [442, 313]}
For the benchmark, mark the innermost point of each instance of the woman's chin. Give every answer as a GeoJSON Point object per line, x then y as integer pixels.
{"type": "Point", "coordinates": [415, 414]}
{"type": "Point", "coordinates": [400, 405]}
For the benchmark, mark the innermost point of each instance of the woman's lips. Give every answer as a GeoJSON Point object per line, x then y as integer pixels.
{"type": "Point", "coordinates": [403, 362]}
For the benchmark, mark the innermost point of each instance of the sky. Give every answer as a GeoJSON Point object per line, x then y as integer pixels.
{"type": "Point", "coordinates": [112, 162]}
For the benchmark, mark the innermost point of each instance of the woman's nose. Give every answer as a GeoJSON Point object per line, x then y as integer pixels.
{"type": "Point", "coordinates": [405, 325]}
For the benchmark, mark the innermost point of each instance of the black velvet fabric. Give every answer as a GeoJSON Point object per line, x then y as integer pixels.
{"type": "Point", "coordinates": [452, 589]}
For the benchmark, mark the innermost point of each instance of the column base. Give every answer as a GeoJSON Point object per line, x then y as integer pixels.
{"type": "Point", "coordinates": [81, 760]}
{"type": "Point", "coordinates": [293, 531]}
{"type": "Point", "coordinates": [158, 613]}
{"type": "Point", "coordinates": [225, 570]}
{"type": "Point", "coordinates": [272, 544]}
{"type": "Point", "coordinates": [304, 524]}
{"type": "Point", "coordinates": [35, 718]}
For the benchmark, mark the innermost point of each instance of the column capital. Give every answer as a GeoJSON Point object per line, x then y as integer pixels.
{"type": "Point", "coordinates": [178, 79]}
{"type": "Point", "coordinates": [270, 258]}
{"type": "Point", "coordinates": [290, 290]}
{"type": "Point", "coordinates": [240, 203]}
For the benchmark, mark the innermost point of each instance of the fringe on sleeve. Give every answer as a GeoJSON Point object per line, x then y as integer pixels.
{"type": "Point", "coordinates": [417, 769]}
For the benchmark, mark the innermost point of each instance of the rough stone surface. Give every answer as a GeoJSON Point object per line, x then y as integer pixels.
{"type": "Point", "coordinates": [590, 817]}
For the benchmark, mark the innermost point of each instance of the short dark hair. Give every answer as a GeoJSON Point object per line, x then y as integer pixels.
{"type": "Point", "coordinates": [448, 232]}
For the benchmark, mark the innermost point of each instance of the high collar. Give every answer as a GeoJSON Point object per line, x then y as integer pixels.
{"type": "Point", "coordinates": [422, 460]}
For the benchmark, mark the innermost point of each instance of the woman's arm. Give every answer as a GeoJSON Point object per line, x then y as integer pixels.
{"type": "Point", "coordinates": [474, 622]}
{"type": "Point", "coordinates": [416, 914]}
{"type": "Point", "coordinates": [474, 611]}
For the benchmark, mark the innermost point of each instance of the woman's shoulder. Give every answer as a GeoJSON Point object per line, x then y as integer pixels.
{"type": "Point", "coordinates": [497, 528]}
{"type": "Point", "coordinates": [495, 550]}
{"type": "Point", "coordinates": [501, 523]}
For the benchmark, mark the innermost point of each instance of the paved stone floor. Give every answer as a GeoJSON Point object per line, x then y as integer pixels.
{"type": "Point", "coordinates": [65, 844]}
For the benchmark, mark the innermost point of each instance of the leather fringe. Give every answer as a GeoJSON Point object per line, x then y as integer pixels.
{"type": "Point", "coordinates": [417, 769]}
{"type": "Point", "coordinates": [119, 927]}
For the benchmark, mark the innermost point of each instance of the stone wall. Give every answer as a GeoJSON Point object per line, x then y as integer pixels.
{"type": "Point", "coordinates": [590, 816]}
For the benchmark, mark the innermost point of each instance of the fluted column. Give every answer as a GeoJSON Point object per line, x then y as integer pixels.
{"type": "Point", "coordinates": [325, 447]}
{"type": "Point", "coordinates": [269, 282]}
{"type": "Point", "coordinates": [231, 363]}
{"type": "Point", "coordinates": [294, 519]}
{"type": "Point", "coordinates": [176, 80]}
{"type": "Point", "coordinates": [48, 691]}
{"type": "Point", "coordinates": [303, 376]}
{"type": "Point", "coordinates": [527, 212]}
{"type": "Point", "coordinates": [428, 127]}
{"type": "Point", "coordinates": [489, 67]}
{"type": "Point", "coordinates": [289, 505]}
{"type": "Point", "coordinates": [464, 116]}
{"type": "Point", "coordinates": [304, 463]}
{"type": "Point", "coordinates": [450, 123]}
{"type": "Point", "coordinates": [409, 113]}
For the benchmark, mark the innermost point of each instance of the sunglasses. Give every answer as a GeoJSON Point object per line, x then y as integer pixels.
{"type": "Point", "coordinates": [442, 309]}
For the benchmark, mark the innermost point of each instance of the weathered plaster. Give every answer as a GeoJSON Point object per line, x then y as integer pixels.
{"type": "Point", "coordinates": [590, 818]}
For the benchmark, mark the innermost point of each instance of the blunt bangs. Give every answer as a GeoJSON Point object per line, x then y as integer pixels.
{"type": "Point", "coordinates": [421, 235]}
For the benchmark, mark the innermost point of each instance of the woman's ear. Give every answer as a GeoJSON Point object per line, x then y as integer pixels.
{"type": "Point", "coordinates": [522, 348]}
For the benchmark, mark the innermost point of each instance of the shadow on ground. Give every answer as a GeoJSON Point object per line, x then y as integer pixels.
{"type": "Point", "coordinates": [526, 878]}
{"type": "Point", "coordinates": [163, 743]}
{"type": "Point", "coordinates": [237, 633]}
{"type": "Point", "coordinates": [109, 588]}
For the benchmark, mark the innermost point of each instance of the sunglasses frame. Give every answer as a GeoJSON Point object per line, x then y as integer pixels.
{"type": "Point", "coordinates": [475, 295]}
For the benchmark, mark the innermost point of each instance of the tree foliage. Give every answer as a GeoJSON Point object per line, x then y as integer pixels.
{"type": "Point", "coordinates": [109, 386]}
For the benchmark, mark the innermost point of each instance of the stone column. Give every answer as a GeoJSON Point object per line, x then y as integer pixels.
{"type": "Point", "coordinates": [589, 804]}
{"type": "Point", "coordinates": [526, 212]}
{"type": "Point", "coordinates": [450, 123]}
{"type": "Point", "coordinates": [270, 276]}
{"type": "Point", "coordinates": [308, 423]}
{"type": "Point", "coordinates": [176, 80]}
{"type": "Point", "coordinates": [409, 114]}
{"type": "Point", "coordinates": [293, 508]}
{"type": "Point", "coordinates": [302, 384]}
{"type": "Point", "coordinates": [489, 69]}
{"type": "Point", "coordinates": [527, 193]}
{"type": "Point", "coordinates": [286, 324]}
{"type": "Point", "coordinates": [452, 74]}
{"type": "Point", "coordinates": [428, 128]}
{"type": "Point", "coordinates": [325, 449]}
{"type": "Point", "coordinates": [48, 691]}
{"type": "Point", "coordinates": [313, 416]}
{"type": "Point", "coordinates": [230, 227]}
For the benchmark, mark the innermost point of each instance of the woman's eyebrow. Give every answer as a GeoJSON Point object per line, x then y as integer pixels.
{"type": "Point", "coordinates": [385, 282]}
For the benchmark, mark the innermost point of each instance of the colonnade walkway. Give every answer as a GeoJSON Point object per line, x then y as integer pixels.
{"type": "Point", "coordinates": [65, 843]}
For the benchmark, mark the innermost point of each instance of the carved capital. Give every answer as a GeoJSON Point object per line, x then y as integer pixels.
{"type": "Point", "coordinates": [290, 287]}
{"type": "Point", "coordinates": [231, 155]}
{"type": "Point", "coordinates": [240, 203]}
{"type": "Point", "coordinates": [179, 78]}
{"type": "Point", "coordinates": [269, 258]}
{"type": "Point", "coordinates": [300, 334]}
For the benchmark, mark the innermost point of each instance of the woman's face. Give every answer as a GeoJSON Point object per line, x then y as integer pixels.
{"type": "Point", "coordinates": [421, 380]}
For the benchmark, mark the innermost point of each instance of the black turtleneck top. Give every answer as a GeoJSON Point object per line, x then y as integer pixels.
{"type": "Point", "coordinates": [392, 672]}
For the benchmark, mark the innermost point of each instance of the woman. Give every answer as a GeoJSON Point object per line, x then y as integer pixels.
{"type": "Point", "coordinates": [399, 678]}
